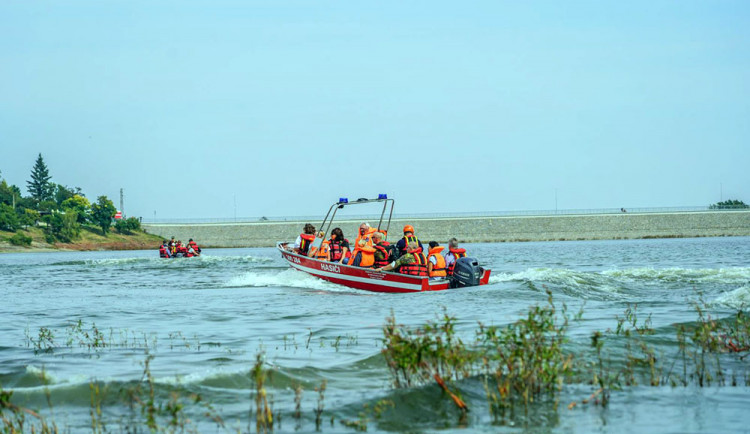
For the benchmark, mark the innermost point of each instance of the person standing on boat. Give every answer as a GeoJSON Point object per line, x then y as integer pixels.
{"type": "Point", "coordinates": [408, 238]}
{"type": "Point", "coordinates": [305, 239]}
{"type": "Point", "coordinates": [454, 254]}
{"type": "Point", "coordinates": [412, 263]}
{"type": "Point", "coordinates": [338, 246]}
{"type": "Point", "coordinates": [436, 262]}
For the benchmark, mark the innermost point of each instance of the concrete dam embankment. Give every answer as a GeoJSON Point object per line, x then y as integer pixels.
{"type": "Point", "coordinates": [483, 229]}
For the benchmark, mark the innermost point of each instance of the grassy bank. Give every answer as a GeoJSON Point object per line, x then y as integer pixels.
{"type": "Point", "coordinates": [91, 239]}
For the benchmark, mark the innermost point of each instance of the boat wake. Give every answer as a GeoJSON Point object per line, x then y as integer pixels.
{"type": "Point", "coordinates": [288, 278]}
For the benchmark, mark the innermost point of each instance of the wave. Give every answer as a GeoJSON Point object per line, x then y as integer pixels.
{"type": "Point", "coordinates": [580, 284]}
{"type": "Point", "coordinates": [287, 278]}
{"type": "Point", "coordinates": [736, 275]}
{"type": "Point", "coordinates": [737, 299]}
{"type": "Point", "coordinates": [203, 260]}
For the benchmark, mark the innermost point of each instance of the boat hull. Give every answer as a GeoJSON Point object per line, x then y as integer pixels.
{"type": "Point", "coordinates": [365, 278]}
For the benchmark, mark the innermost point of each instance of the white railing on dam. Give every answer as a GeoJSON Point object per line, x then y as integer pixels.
{"type": "Point", "coordinates": [373, 216]}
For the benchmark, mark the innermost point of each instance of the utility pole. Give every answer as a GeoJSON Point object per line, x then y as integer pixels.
{"type": "Point", "coordinates": [122, 203]}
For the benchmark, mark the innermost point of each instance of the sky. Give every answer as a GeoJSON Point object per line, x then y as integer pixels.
{"type": "Point", "coordinates": [227, 109]}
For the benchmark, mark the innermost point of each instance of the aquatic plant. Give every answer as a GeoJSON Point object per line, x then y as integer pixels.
{"type": "Point", "coordinates": [263, 411]}
{"type": "Point", "coordinates": [319, 408]}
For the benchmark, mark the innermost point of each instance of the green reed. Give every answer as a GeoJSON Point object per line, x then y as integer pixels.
{"type": "Point", "coordinates": [263, 411]}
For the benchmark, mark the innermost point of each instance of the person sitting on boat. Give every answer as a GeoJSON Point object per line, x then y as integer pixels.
{"type": "Point", "coordinates": [436, 262]}
{"type": "Point", "coordinates": [194, 246]}
{"type": "Point", "coordinates": [172, 247]}
{"type": "Point", "coordinates": [413, 262]}
{"type": "Point", "coordinates": [454, 254]}
{"type": "Point", "coordinates": [305, 240]}
{"type": "Point", "coordinates": [365, 233]}
{"type": "Point", "coordinates": [408, 238]}
{"type": "Point", "coordinates": [164, 250]}
{"type": "Point", "coordinates": [338, 246]}
{"type": "Point", "coordinates": [383, 250]}
{"type": "Point", "coordinates": [321, 253]}
{"type": "Point", "coordinates": [363, 255]}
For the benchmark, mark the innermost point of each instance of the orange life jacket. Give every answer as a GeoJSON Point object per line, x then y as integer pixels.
{"type": "Point", "coordinates": [322, 253]}
{"type": "Point", "coordinates": [382, 248]}
{"type": "Point", "coordinates": [438, 269]}
{"type": "Point", "coordinates": [163, 252]}
{"type": "Point", "coordinates": [416, 268]}
{"type": "Point", "coordinates": [336, 250]}
{"type": "Point", "coordinates": [368, 256]}
{"type": "Point", "coordinates": [367, 236]}
{"type": "Point", "coordinates": [305, 243]}
{"type": "Point", "coordinates": [457, 253]}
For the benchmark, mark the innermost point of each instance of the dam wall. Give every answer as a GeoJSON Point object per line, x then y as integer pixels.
{"type": "Point", "coordinates": [482, 229]}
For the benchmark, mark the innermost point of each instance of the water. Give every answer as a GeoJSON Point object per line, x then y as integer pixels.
{"type": "Point", "coordinates": [204, 320]}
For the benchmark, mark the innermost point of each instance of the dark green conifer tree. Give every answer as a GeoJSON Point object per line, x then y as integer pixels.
{"type": "Point", "coordinates": [39, 186]}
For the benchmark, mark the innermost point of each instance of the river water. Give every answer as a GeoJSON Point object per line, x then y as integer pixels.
{"type": "Point", "coordinates": [74, 321]}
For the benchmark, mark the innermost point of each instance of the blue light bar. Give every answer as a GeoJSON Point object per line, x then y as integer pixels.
{"type": "Point", "coordinates": [382, 196]}
{"type": "Point", "coordinates": [343, 200]}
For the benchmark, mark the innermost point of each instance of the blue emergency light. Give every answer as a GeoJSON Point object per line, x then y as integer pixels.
{"type": "Point", "coordinates": [382, 196]}
{"type": "Point", "coordinates": [343, 200]}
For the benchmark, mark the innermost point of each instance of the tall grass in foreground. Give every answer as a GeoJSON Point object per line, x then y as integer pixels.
{"type": "Point", "coordinates": [519, 366]}
{"type": "Point", "coordinates": [530, 359]}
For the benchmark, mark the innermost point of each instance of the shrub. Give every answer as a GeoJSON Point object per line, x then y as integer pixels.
{"type": "Point", "coordinates": [19, 239]}
{"type": "Point", "coordinates": [63, 226]}
{"type": "Point", "coordinates": [128, 226]}
{"type": "Point", "coordinates": [8, 218]}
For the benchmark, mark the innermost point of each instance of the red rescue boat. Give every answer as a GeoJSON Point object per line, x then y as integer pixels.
{"type": "Point", "coordinates": [379, 281]}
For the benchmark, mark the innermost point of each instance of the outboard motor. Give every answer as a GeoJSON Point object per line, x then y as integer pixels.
{"type": "Point", "coordinates": [466, 273]}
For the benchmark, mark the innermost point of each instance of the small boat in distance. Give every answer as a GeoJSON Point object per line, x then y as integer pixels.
{"type": "Point", "coordinates": [466, 273]}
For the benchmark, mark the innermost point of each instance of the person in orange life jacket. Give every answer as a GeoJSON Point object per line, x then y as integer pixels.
{"type": "Point", "coordinates": [365, 233]}
{"type": "Point", "coordinates": [305, 240]}
{"type": "Point", "coordinates": [172, 246]}
{"type": "Point", "coordinates": [436, 262]}
{"type": "Point", "coordinates": [382, 250]}
{"type": "Point", "coordinates": [408, 237]}
{"type": "Point", "coordinates": [320, 253]}
{"type": "Point", "coordinates": [179, 248]}
{"type": "Point", "coordinates": [164, 250]}
{"type": "Point", "coordinates": [454, 254]}
{"type": "Point", "coordinates": [412, 263]}
{"type": "Point", "coordinates": [364, 255]}
{"type": "Point", "coordinates": [338, 246]}
{"type": "Point", "coordinates": [193, 245]}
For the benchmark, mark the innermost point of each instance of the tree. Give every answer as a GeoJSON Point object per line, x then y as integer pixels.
{"type": "Point", "coordinates": [729, 204]}
{"type": "Point", "coordinates": [63, 226]}
{"type": "Point", "coordinates": [8, 218]}
{"type": "Point", "coordinates": [128, 226]}
{"type": "Point", "coordinates": [102, 213]}
{"type": "Point", "coordinates": [63, 193]}
{"type": "Point", "coordinates": [80, 205]}
{"type": "Point", "coordinates": [39, 186]}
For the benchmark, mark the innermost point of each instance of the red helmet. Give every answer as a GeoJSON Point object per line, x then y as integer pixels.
{"type": "Point", "coordinates": [408, 228]}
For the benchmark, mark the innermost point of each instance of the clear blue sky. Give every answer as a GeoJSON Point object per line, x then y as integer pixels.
{"type": "Point", "coordinates": [284, 106]}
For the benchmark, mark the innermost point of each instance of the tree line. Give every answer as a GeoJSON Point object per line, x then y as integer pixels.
{"type": "Point", "coordinates": [62, 210]}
